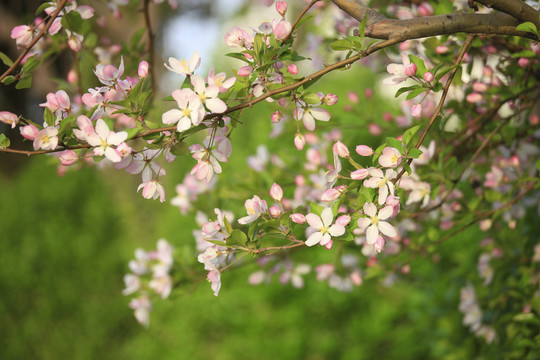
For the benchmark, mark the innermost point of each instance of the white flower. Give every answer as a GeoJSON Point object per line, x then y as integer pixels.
{"type": "Point", "coordinates": [324, 230]}
{"type": "Point", "coordinates": [255, 207]}
{"type": "Point", "coordinates": [104, 138]}
{"type": "Point", "coordinates": [208, 95]}
{"type": "Point", "coordinates": [190, 110]}
{"type": "Point", "coordinates": [382, 181]}
{"type": "Point", "coordinates": [183, 67]}
{"type": "Point", "coordinates": [374, 224]}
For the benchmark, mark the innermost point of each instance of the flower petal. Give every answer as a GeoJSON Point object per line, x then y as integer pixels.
{"type": "Point", "coordinates": [387, 229]}
{"type": "Point", "coordinates": [315, 238]}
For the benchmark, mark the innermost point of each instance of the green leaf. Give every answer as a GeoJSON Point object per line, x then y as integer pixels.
{"type": "Point", "coordinates": [527, 26]}
{"type": "Point", "coordinates": [258, 46]}
{"type": "Point", "coordinates": [237, 238]}
{"type": "Point", "coordinates": [228, 227]}
{"type": "Point", "coordinates": [49, 117]}
{"type": "Point", "coordinates": [132, 132]}
{"type": "Point", "coordinates": [415, 93]}
{"type": "Point", "coordinates": [180, 148]}
{"type": "Point", "coordinates": [8, 80]}
{"type": "Point", "coordinates": [66, 124]}
{"type": "Point", "coordinates": [311, 98]}
{"type": "Point", "coordinates": [409, 135]}
{"type": "Point", "coordinates": [367, 193]}
{"type": "Point", "coordinates": [5, 59]}
{"type": "Point", "coordinates": [31, 64]}
{"type": "Point", "coordinates": [524, 53]}
{"type": "Point", "coordinates": [443, 72]}
{"type": "Point", "coordinates": [72, 21]}
{"type": "Point", "coordinates": [4, 141]}
{"type": "Point", "coordinates": [42, 8]}
{"type": "Point", "coordinates": [24, 83]}
{"type": "Point", "coordinates": [420, 66]}
{"type": "Point", "coordinates": [315, 208]}
{"type": "Point", "coordinates": [136, 38]}
{"type": "Point", "coordinates": [362, 28]}
{"type": "Point", "coordinates": [341, 45]}
{"type": "Point", "coordinates": [405, 89]}
{"type": "Point", "coordinates": [393, 142]}
{"type": "Point", "coordinates": [415, 153]}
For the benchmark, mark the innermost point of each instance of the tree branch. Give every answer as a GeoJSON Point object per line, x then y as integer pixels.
{"type": "Point", "coordinates": [380, 27]}
{"type": "Point", "coordinates": [518, 9]}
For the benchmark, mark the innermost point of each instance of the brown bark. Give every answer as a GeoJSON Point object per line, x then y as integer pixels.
{"type": "Point", "coordinates": [380, 27]}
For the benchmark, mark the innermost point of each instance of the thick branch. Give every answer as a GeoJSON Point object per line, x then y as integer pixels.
{"type": "Point", "coordinates": [380, 27]}
{"type": "Point", "coordinates": [518, 9]}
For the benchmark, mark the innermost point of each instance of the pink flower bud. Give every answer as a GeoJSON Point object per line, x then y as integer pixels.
{"type": "Point", "coordinates": [387, 117]}
{"type": "Point", "coordinates": [353, 97]}
{"type": "Point", "coordinates": [299, 180]}
{"type": "Point", "coordinates": [330, 195]}
{"type": "Point", "coordinates": [410, 70]}
{"type": "Point", "coordinates": [340, 149]}
{"type": "Point", "coordinates": [298, 218]}
{"type": "Point", "coordinates": [68, 157]}
{"type": "Point", "coordinates": [368, 93]}
{"type": "Point", "coordinates": [244, 71]}
{"type": "Point", "coordinates": [425, 9]}
{"type": "Point", "coordinates": [275, 211]}
{"type": "Point", "coordinates": [276, 192]}
{"type": "Point", "coordinates": [379, 244]}
{"type": "Point", "coordinates": [343, 220]}
{"type": "Point", "coordinates": [299, 141]}
{"type": "Point", "coordinates": [281, 29]}
{"type": "Point", "coordinates": [406, 269]}
{"type": "Point", "coordinates": [293, 69]}
{"type": "Point", "coordinates": [143, 69]}
{"type": "Point", "coordinates": [474, 97]}
{"type": "Point", "coordinates": [441, 49]}
{"type": "Point", "coordinates": [479, 87]}
{"type": "Point", "coordinates": [533, 120]}
{"type": "Point", "coordinates": [281, 7]}
{"type": "Point", "coordinates": [374, 129]}
{"type": "Point", "coordinates": [330, 99]}
{"type": "Point", "coordinates": [416, 111]}
{"type": "Point", "coordinates": [429, 76]}
{"type": "Point", "coordinates": [29, 132]}
{"type": "Point", "coordinates": [276, 117]}
{"type": "Point", "coordinates": [523, 62]}
{"type": "Point", "coordinates": [72, 77]}
{"type": "Point", "coordinates": [329, 244]}
{"type": "Point", "coordinates": [364, 150]}
{"type": "Point", "coordinates": [356, 278]}
{"type": "Point", "coordinates": [9, 118]}
{"type": "Point", "coordinates": [283, 101]}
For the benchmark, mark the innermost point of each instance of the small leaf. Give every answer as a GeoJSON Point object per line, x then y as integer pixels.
{"type": "Point", "coordinates": [42, 7]}
{"type": "Point", "coordinates": [237, 238]}
{"type": "Point", "coordinates": [415, 153]}
{"type": "Point", "coordinates": [527, 26]}
{"type": "Point", "coordinates": [10, 79]}
{"type": "Point", "coordinates": [228, 226]}
{"type": "Point", "coordinates": [24, 83]}
{"type": "Point", "coordinates": [72, 21]}
{"type": "Point", "coordinates": [4, 141]}
{"type": "Point", "coordinates": [31, 64]}
{"type": "Point", "coordinates": [5, 59]}
{"type": "Point", "coordinates": [420, 66]}
{"type": "Point", "coordinates": [415, 93]}
{"type": "Point", "coordinates": [341, 45]}
{"type": "Point", "coordinates": [410, 134]}
{"type": "Point", "coordinates": [311, 98]}
{"type": "Point", "coordinates": [406, 89]}
{"type": "Point", "coordinates": [367, 193]}
{"type": "Point", "coordinates": [393, 142]}
{"type": "Point", "coordinates": [315, 208]}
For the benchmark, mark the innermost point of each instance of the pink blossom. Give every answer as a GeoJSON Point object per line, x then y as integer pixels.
{"type": "Point", "coordinates": [523, 62]}
{"type": "Point", "coordinates": [281, 29]}
{"type": "Point", "coordinates": [293, 69]}
{"type": "Point", "coordinates": [108, 74]}
{"type": "Point", "coordinates": [29, 132]}
{"type": "Point", "coordinates": [220, 80]}
{"type": "Point", "coordinates": [244, 71]}
{"type": "Point", "coordinates": [474, 97]}
{"type": "Point", "coordinates": [298, 218]}
{"type": "Point", "coordinates": [255, 207]}
{"type": "Point", "coordinates": [299, 141]}
{"type": "Point", "coordinates": [214, 276]}
{"type": "Point", "coordinates": [238, 37]}
{"type": "Point", "coordinates": [9, 118]}
{"type": "Point", "coordinates": [416, 110]}
{"type": "Point", "coordinates": [152, 190]}
{"type": "Point", "coordinates": [374, 223]}
{"type": "Point", "coordinates": [309, 115]}
{"type": "Point", "coordinates": [359, 174]}
{"type": "Point", "coordinates": [393, 201]}
{"type": "Point", "coordinates": [323, 228]}
{"type": "Point", "coordinates": [340, 149]}
{"type": "Point", "coordinates": [74, 41]}
{"type": "Point", "coordinates": [374, 129]}
{"type": "Point", "coordinates": [428, 76]}
{"type": "Point", "coordinates": [330, 99]}
{"type": "Point", "coordinates": [142, 71]}
{"type": "Point", "coordinates": [276, 116]}
{"type": "Point", "coordinates": [353, 97]}
{"type": "Point", "coordinates": [364, 150]}
{"type": "Point", "coordinates": [22, 35]}
{"type": "Point", "coordinates": [378, 245]}
{"type": "Point", "coordinates": [400, 72]}
{"type": "Point", "coordinates": [276, 192]}
{"type": "Point", "coordinates": [68, 157]}
{"type": "Point", "coordinates": [330, 195]}
{"type": "Point", "coordinates": [275, 211]}
{"type": "Point", "coordinates": [281, 7]}
{"type": "Point", "coordinates": [46, 139]}
{"type": "Point", "coordinates": [390, 158]}
{"type": "Point", "coordinates": [142, 307]}
{"type": "Point", "coordinates": [343, 220]}
{"type": "Point", "coordinates": [190, 112]}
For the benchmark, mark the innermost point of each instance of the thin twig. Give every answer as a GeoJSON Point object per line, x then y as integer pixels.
{"type": "Point", "coordinates": [300, 17]}
{"type": "Point", "coordinates": [35, 40]}
{"type": "Point", "coordinates": [437, 112]}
